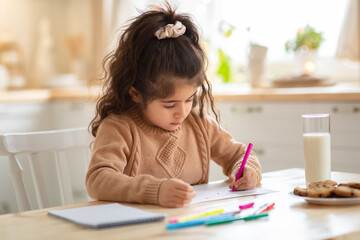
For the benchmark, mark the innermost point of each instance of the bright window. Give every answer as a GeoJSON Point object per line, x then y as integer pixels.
{"type": "Point", "coordinates": [269, 23]}
{"type": "Point", "coordinates": [273, 22]}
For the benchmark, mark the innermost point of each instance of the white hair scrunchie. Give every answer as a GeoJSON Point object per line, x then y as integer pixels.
{"type": "Point", "coordinates": [171, 31]}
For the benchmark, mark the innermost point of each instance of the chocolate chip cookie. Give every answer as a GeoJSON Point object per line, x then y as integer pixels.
{"type": "Point", "coordinates": [351, 184]}
{"type": "Point", "coordinates": [346, 191]}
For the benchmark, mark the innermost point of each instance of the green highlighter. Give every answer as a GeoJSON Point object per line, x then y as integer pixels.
{"type": "Point", "coordinates": [232, 219]}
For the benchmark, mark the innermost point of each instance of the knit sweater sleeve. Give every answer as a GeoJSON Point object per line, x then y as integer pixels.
{"type": "Point", "coordinates": [105, 180]}
{"type": "Point", "coordinates": [227, 152]}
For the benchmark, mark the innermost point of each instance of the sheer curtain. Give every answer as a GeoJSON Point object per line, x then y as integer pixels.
{"type": "Point", "coordinates": [109, 16]}
{"type": "Point", "coordinates": [349, 39]}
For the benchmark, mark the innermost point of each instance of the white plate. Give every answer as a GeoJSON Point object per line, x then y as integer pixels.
{"type": "Point", "coordinates": [329, 201]}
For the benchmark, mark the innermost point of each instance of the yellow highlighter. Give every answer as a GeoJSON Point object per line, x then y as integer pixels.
{"type": "Point", "coordinates": [200, 215]}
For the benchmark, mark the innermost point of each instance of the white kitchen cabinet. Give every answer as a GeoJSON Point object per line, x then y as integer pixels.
{"type": "Point", "coordinates": [345, 124]}
{"type": "Point", "coordinates": [346, 160]}
{"type": "Point", "coordinates": [70, 114]}
{"type": "Point", "coordinates": [26, 117]}
{"type": "Point", "coordinates": [275, 129]}
{"type": "Point", "coordinates": [21, 117]}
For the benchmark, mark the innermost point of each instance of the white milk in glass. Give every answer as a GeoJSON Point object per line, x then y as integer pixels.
{"type": "Point", "coordinates": [317, 157]}
{"type": "Point", "coordinates": [317, 147]}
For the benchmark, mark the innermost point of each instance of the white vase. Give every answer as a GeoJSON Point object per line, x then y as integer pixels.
{"type": "Point", "coordinates": [305, 61]}
{"type": "Point", "coordinates": [256, 65]}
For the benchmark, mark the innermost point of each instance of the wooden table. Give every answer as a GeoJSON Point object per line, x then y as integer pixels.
{"type": "Point", "coordinates": [292, 218]}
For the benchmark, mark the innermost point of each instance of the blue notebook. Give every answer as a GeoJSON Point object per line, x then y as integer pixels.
{"type": "Point", "coordinates": [107, 215]}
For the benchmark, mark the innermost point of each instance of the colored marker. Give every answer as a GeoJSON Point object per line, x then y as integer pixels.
{"type": "Point", "coordinates": [264, 208]}
{"type": "Point", "coordinates": [229, 213]}
{"type": "Point", "coordinates": [200, 215]}
{"type": "Point", "coordinates": [242, 166]}
{"type": "Point", "coordinates": [185, 224]}
{"type": "Point", "coordinates": [223, 214]}
{"type": "Point", "coordinates": [175, 219]}
{"type": "Point", "coordinates": [245, 206]}
{"type": "Point", "coordinates": [197, 222]}
{"type": "Point", "coordinates": [212, 222]}
{"type": "Point", "coordinates": [271, 206]}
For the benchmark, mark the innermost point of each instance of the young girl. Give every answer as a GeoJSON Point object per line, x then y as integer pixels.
{"type": "Point", "coordinates": [152, 141]}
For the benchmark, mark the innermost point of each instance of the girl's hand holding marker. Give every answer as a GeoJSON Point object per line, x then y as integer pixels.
{"type": "Point", "coordinates": [246, 177]}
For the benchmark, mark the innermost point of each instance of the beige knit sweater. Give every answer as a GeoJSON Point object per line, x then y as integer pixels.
{"type": "Point", "coordinates": [131, 158]}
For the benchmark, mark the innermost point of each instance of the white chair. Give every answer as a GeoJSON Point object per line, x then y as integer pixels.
{"type": "Point", "coordinates": [46, 155]}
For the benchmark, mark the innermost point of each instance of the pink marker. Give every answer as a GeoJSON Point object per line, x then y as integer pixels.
{"type": "Point", "coordinates": [242, 166]}
{"type": "Point", "coordinates": [245, 206]}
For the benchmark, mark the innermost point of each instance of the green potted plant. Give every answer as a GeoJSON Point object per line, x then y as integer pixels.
{"type": "Point", "coordinates": [305, 38]}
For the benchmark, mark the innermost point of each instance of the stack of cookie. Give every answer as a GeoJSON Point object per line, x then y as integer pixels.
{"type": "Point", "coordinates": [329, 188]}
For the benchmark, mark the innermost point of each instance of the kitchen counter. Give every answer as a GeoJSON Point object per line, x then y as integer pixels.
{"type": "Point", "coordinates": [50, 94]}
{"type": "Point", "coordinates": [339, 92]}
{"type": "Point", "coordinates": [225, 92]}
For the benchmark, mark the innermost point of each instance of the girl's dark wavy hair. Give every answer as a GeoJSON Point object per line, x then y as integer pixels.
{"type": "Point", "coordinates": [149, 65]}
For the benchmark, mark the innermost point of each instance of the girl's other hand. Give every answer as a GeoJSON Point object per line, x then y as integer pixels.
{"type": "Point", "coordinates": [175, 193]}
{"type": "Point", "coordinates": [247, 181]}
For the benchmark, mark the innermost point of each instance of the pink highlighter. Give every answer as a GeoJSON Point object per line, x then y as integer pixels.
{"type": "Point", "coordinates": [242, 166]}
{"type": "Point", "coordinates": [245, 206]}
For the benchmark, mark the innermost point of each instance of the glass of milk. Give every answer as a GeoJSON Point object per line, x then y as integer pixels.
{"type": "Point", "coordinates": [317, 147]}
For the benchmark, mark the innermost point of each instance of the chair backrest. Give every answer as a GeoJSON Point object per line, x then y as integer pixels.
{"type": "Point", "coordinates": [35, 150]}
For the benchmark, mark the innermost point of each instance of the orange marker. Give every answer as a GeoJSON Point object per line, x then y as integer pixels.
{"type": "Point", "coordinates": [267, 208]}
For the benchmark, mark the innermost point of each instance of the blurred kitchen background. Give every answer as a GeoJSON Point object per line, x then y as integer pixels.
{"type": "Point", "coordinates": [62, 43]}
{"type": "Point", "coordinates": [51, 53]}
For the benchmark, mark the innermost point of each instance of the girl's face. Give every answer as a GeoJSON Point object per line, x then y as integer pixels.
{"type": "Point", "coordinates": [170, 112]}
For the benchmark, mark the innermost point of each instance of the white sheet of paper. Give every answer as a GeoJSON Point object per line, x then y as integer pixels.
{"type": "Point", "coordinates": [220, 190]}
